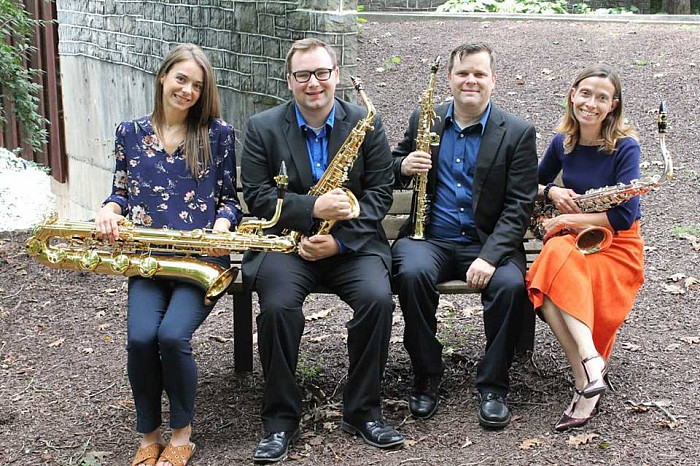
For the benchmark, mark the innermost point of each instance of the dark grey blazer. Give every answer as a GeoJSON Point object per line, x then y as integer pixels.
{"type": "Point", "coordinates": [273, 136]}
{"type": "Point", "coordinates": [505, 180]}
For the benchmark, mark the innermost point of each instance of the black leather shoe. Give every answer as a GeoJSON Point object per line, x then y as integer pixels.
{"type": "Point", "coordinates": [376, 433]}
{"type": "Point", "coordinates": [274, 446]}
{"type": "Point", "coordinates": [493, 411]}
{"type": "Point", "coordinates": [423, 401]}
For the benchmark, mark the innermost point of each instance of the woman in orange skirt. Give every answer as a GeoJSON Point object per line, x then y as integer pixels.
{"type": "Point", "coordinates": [585, 298]}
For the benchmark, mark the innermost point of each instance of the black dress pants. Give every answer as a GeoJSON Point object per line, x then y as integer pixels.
{"type": "Point", "coordinates": [283, 281]}
{"type": "Point", "coordinates": [418, 266]}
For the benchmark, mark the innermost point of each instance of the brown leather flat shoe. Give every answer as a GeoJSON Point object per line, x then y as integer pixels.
{"type": "Point", "coordinates": [177, 456]}
{"type": "Point", "coordinates": [148, 455]}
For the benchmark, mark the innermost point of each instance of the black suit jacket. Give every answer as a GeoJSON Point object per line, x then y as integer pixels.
{"type": "Point", "coordinates": [273, 136]}
{"type": "Point", "coordinates": [505, 180]}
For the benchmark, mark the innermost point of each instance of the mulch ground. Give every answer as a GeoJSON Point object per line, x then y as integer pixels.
{"type": "Point", "coordinates": [64, 393]}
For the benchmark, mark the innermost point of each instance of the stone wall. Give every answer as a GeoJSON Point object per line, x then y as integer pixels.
{"type": "Point", "coordinates": [110, 51]}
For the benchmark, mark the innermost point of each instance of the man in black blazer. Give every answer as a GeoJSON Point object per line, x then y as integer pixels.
{"type": "Point", "coordinates": [482, 181]}
{"type": "Point", "coordinates": [353, 261]}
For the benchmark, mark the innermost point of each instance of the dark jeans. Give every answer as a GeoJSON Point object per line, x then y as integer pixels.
{"type": "Point", "coordinates": [418, 266]}
{"type": "Point", "coordinates": [282, 283]}
{"type": "Point", "coordinates": [162, 316]}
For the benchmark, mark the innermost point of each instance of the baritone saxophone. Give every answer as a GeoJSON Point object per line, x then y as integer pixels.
{"type": "Point", "coordinates": [425, 139]}
{"type": "Point", "coordinates": [594, 239]}
{"type": "Point", "coordinates": [155, 252]}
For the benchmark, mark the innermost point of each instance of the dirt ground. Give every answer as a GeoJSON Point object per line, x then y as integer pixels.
{"type": "Point", "coordinates": [64, 394]}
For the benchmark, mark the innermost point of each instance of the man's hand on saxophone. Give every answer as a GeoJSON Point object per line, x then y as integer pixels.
{"type": "Point", "coordinates": [416, 162]}
{"type": "Point", "coordinates": [333, 205]}
{"type": "Point", "coordinates": [107, 222]}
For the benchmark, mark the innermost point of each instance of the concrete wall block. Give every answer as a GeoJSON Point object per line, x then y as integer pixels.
{"type": "Point", "coordinates": [277, 69]}
{"type": "Point", "coordinates": [235, 43]}
{"type": "Point", "coordinates": [299, 20]}
{"type": "Point", "coordinates": [112, 23]}
{"type": "Point", "coordinates": [335, 23]}
{"type": "Point", "coordinates": [246, 17]}
{"type": "Point", "coordinates": [260, 76]}
{"type": "Point", "coordinates": [158, 13]}
{"type": "Point", "coordinates": [266, 23]}
{"type": "Point", "coordinates": [271, 47]}
{"type": "Point", "coordinates": [169, 32]}
{"type": "Point", "coordinates": [245, 63]}
{"type": "Point", "coordinates": [218, 18]}
{"type": "Point", "coordinates": [223, 39]}
{"type": "Point", "coordinates": [348, 56]}
{"type": "Point", "coordinates": [230, 61]}
{"type": "Point", "coordinates": [244, 42]}
{"type": "Point", "coordinates": [275, 8]}
{"type": "Point", "coordinates": [196, 17]}
{"type": "Point", "coordinates": [255, 45]}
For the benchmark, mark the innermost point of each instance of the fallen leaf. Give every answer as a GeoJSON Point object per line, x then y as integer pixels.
{"type": "Point", "coordinates": [396, 339]}
{"type": "Point", "coordinates": [56, 343]}
{"type": "Point", "coordinates": [673, 289]}
{"type": "Point", "coordinates": [445, 304]}
{"type": "Point", "coordinates": [529, 443]}
{"type": "Point", "coordinates": [86, 350]}
{"type": "Point", "coordinates": [669, 424]}
{"type": "Point", "coordinates": [694, 240]}
{"type": "Point", "coordinates": [691, 282]}
{"type": "Point", "coordinates": [219, 338]}
{"type": "Point", "coordinates": [99, 314]}
{"type": "Point", "coordinates": [409, 443]}
{"type": "Point", "coordinates": [582, 439]}
{"type": "Point", "coordinates": [672, 347]}
{"type": "Point", "coordinates": [690, 340]}
{"type": "Point", "coordinates": [466, 443]}
{"type": "Point", "coordinates": [546, 71]}
{"type": "Point", "coordinates": [318, 339]}
{"type": "Point", "coordinates": [631, 347]}
{"type": "Point", "coordinates": [111, 291]}
{"type": "Point", "coordinates": [317, 440]}
{"type": "Point", "coordinates": [318, 315]}
{"type": "Point", "coordinates": [330, 426]}
{"type": "Point", "coordinates": [676, 277]}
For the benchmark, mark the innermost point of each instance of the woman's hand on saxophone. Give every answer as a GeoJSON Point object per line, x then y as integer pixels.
{"type": "Point", "coordinates": [221, 224]}
{"type": "Point", "coordinates": [107, 222]}
{"type": "Point", "coordinates": [333, 205]}
{"type": "Point", "coordinates": [416, 162]}
{"type": "Point", "coordinates": [563, 200]}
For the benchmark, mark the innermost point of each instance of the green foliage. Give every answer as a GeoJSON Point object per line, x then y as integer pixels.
{"type": "Point", "coordinates": [504, 6]}
{"type": "Point", "coordinates": [527, 6]}
{"type": "Point", "coordinates": [16, 80]}
{"type": "Point", "coordinates": [360, 9]}
{"type": "Point", "coordinates": [642, 62]}
{"type": "Point", "coordinates": [686, 230]}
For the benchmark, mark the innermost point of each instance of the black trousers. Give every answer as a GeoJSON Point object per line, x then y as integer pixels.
{"type": "Point", "coordinates": [282, 283]}
{"type": "Point", "coordinates": [417, 268]}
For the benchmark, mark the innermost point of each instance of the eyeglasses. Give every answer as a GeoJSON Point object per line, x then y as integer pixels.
{"type": "Point", "coordinates": [303, 76]}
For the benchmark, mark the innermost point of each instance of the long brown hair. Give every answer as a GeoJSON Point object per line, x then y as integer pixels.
{"type": "Point", "coordinates": [614, 127]}
{"type": "Point", "coordinates": [197, 148]}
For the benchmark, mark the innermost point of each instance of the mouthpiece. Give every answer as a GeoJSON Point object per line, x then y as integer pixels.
{"type": "Point", "coordinates": [663, 117]}
{"type": "Point", "coordinates": [357, 83]}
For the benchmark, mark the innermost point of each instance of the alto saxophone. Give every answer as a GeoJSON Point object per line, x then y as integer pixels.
{"type": "Point", "coordinates": [74, 245]}
{"type": "Point", "coordinates": [424, 140]}
{"type": "Point", "coordinates": [594, 239]}
{"type": "Point", "coordinates": [337, 171]}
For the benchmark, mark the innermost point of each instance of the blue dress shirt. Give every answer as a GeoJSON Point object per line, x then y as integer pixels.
{"type": "Point", "coordinates": [452, 210]}
{"type": "Point", "coordinates": [316, 143]}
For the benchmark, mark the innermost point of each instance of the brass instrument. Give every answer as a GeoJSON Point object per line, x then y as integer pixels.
{"type": "Point", "coordinates": [424, 140]}
{"type": "Point", "coordinates": [594, 239]}
{"type": "Point", "coordinates": [75, 245]}
{"type": "Point", "coordinates": [337, 171]}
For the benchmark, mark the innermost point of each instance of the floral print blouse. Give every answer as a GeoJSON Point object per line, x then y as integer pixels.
{"type": "Point", "coordinates": [157, 189]}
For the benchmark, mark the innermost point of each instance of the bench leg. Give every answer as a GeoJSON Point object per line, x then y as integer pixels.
{"type": "Point", "coordinates": [526, 339]}
{"type": "Point", "coordinates": [243, 331]}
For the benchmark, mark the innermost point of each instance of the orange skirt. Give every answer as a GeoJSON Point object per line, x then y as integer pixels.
{"type": "Point", "coordinates": [598, 289]}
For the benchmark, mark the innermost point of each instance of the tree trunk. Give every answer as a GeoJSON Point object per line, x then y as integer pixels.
{"type": "Point", "coordinates": [676, 7]}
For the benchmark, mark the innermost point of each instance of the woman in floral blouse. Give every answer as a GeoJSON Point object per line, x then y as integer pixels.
{"type": "Point", "coordinates": [175, 168]}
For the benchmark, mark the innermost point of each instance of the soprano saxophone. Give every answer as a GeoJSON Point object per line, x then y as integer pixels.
{"type": "Point", "coordinates": [337, 171]}
{"type": "Point", "coordinates": [425, 138]}
{"type": "Point", "coordinates": [594, 239]}
{"type": "Point", "coordinates": [75, 245]}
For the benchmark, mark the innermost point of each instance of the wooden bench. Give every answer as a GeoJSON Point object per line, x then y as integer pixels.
{"type": "Point", "coordinates": [400, 209]}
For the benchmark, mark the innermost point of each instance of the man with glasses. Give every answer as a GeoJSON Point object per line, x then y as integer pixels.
{"type": "Point", "coordinates": [353, 260]}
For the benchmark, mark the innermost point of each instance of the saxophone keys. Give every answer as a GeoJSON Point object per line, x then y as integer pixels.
{"type": "Point", "coordinates": [120, 263]}
{"type": "Point", "coordinates": [148, 266]}
{"type": "Point", "coordinates": [89, 260]}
